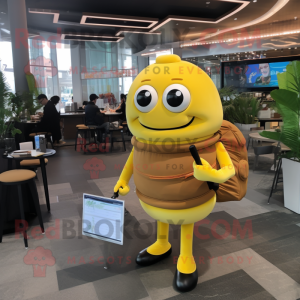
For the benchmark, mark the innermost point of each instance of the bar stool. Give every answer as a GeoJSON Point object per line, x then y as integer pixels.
{"type": "Point", "coordinates": [17, 178]}
{"type": "Point", "coordinates": [32, 164]}
{"type": "Point", "coordinates": [83, 130]}
{"type": "Point", "coordinates": [111, 130]}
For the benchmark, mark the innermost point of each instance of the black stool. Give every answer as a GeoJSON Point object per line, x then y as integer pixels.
{"type": "Point", "coordinates": [17, 178]}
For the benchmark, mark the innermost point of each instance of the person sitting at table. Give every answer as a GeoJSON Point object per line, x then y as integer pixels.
{"type": "Point", "coordinates": [121, 109]}
{"type": "Point", "coordinates": [50, 121]}
{"type": "Point", "coordinates": [83, 105]}
{"type": "Point", "coordinates": [95, 116]}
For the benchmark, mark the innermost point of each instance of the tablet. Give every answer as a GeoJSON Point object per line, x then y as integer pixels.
{"type": "Point", "coordinates": [103, 218]}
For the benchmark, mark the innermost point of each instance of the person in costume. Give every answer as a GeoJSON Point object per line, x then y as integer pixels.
{"type": "Point", "coordinates": [172, 105]}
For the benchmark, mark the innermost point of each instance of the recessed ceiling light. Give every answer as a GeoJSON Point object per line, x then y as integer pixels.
{"type": "Point", "coordinates": [207, 2]}
{"type": "Point", "coordinates": [235, 19]}
{"type": "Point", "coordinates": [289, 48]}
{"type": "Point", "coordinates": [254, 0]}
{"type": "Point", "coordinates": [152, 50]}
{"type": "Point", "coordinates": [177, 24]}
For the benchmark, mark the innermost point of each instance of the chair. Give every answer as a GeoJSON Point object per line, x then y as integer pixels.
{"type": "Point", "coordinates": [261, 150]}
{"type": "Point", "coordinates": [277, 152]}
{"type": "Point", "coordinates": [31, 163]}
{"type": "Point", "coordinates": [253, 129]}
{"type": "Point", "coordinates": [112, 139]}
{"type": "Point", "coordinates": [16, 178]}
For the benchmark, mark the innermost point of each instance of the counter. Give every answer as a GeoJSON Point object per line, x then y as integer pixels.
{"type": "Point", "coordinates": [70, 120]}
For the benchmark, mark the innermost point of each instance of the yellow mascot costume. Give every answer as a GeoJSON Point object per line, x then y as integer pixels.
{"type": "Point", "coordinates": [172, 105]}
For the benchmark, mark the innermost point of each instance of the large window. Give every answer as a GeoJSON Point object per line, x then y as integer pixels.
{"type": "Point", "coordinates": [64, 73]}
{"type": "Point", "coordinates": [43, 65]}
{"type": "Point", "coordinates": [108, 69]}
{"type": "Point", "coordinates": [6, 63]}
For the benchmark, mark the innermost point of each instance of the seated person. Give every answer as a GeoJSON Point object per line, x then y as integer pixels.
{"type": "Point", "coordinates": [55, 100]}
{"type": "Point", "coordinates": [83, 105]}
{"type": "Point", "coordinates": [95, 116]}
{"type": "Point", "coordinates": [50, 121]}
{"type": "Point", "coordinates": [121, 109]}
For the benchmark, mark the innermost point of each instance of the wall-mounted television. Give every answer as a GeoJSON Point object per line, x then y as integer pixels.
{"type": "Point", "coordinates": [252, 75]}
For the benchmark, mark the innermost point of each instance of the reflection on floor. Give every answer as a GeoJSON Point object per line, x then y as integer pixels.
{"type": "Point", "coordinates": [256, 257]}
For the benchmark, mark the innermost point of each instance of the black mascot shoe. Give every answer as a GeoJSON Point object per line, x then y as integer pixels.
{"type": "Point", "coordinates": [185, 282]}
{"type": "Point", "coordinates": [146, 259]}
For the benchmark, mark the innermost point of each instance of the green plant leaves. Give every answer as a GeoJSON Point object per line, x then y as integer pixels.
{"type": "Point", "coordinates": [288, 105]}
{"type": "Point", "coordinates": [286, 98]}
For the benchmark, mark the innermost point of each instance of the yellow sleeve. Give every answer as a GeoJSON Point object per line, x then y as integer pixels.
{"type": "Point", "coordinates": [125, 176]}
{"type": "Point", "coordinates": [128, 168]}
{"type": "Point", "coordinates": [207, 173]}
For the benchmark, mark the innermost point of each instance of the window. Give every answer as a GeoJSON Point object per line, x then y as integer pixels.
{"type": "Point", "coordinates": [6, 64]}
{"type": "Point", "coordinates": [64, 73]}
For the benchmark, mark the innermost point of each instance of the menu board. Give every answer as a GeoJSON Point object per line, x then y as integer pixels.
{"type": "Point", "coordinates": [103, 218]}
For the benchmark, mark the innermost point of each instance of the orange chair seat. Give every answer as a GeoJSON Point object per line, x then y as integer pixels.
{"type": "Point", "coordinates": [31, 162]}
{"type": "Point", "coordinates": [16, 176]}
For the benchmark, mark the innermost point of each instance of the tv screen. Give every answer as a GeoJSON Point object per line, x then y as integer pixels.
{"type": "Point", "coordinates": [242, 75]}
{"type": "Point", "coordinates": [264, 74]}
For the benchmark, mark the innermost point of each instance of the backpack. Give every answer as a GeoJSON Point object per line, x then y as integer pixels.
{"type": "Point", "coordinates": [234, 142]}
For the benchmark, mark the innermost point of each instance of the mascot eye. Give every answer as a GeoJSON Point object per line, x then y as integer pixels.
{"type": "Point", "coordinates": [176, 98]}
{"type": "Point", "coordinates": [145, 98]}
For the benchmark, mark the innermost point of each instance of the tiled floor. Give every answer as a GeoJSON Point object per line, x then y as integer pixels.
{"type": "Point", "coordinates": [262, 262]}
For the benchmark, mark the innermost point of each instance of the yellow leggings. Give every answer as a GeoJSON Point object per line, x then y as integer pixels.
{"type": "Point", "coordinates": [185, 217]}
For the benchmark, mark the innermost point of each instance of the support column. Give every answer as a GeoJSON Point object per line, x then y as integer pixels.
{"type": "Point", "coordinates": [178, 51]}
{"type": "Point", "coordinates": [19, 41]}
{"type": "Point", "coordinates": [76, 76]}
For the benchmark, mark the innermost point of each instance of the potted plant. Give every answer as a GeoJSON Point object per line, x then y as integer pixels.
{"type": "Point", "coordinates": [287, 100]}
{"type": "Point", "coordinates": [245, 112]}
{"type": "Point", "coordinates": [8, 114]}
{"type": "Point", "coordinates": [227, 96]}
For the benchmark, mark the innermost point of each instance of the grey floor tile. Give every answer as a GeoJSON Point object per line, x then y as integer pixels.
{"type": "Point", "coordinates": [236, 285]}
{"type": "Point", "coordinates": [127, 285]}
{"type": "Point", "coordinates": [84, 291]}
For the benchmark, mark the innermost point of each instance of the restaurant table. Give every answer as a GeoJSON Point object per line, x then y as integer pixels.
{"type": "Point", "coordinates": [263, 121]}
{"type": "Point", "coordinates": [49, 152]}
{"type": "Point", "coordinates": [256, 136]}
{"type": "Point", "coordinates": [72, 119]}
{"type": "Point", "coordinates": [26, 129]}
{"type": "Point", "coordinates": [112, 116]}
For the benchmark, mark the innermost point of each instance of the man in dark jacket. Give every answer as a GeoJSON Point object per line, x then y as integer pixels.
{"type": "Point", "coordinates": [95, 116]}
{"type": "Point", "coordinates": [50, 121]}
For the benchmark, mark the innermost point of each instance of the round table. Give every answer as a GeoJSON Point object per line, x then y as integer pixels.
{"type": "Point", "coordinates": [48, 153]}
{"type": "Point", "coordinates": [257, 136]}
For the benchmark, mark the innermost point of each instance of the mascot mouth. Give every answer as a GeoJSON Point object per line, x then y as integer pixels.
{"type": "Point", "coordinates": [186, 125]}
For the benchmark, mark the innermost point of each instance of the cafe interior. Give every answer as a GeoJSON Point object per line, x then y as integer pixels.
{"type": "Point", "coordinates": [71, 90]}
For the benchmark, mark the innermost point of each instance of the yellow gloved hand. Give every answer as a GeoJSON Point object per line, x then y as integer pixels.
{"type": "Point", "coordinates": [207, 173]}
{"type": "Point", "coordinates": [122, 186]}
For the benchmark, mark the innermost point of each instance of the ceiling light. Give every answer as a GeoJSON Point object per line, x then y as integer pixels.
{"type": "Point", "coordinates": [254, 0]}
{"type": "Point", "coordinates": [2, 12]}
{"type": "Point", "coordinates": [295, 18]}
{"type": "Point", "coordinates": [235, 19]}
{"type": "Point", "coordinates": [275, 49]}
{"type": "Point", "coordinates": [177, 24]}
{"type": "Point", "coordinates": [207, 2]}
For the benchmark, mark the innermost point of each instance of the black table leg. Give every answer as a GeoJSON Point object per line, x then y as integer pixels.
{"type": "Point", "coordinates": [9, 164]}
{"type": "Point", "coordinates": [2, 209]}
{"type": "Point", "coordinates": [44, 174]}
{"type": "Point", "coordinates": [249, 142]}
{"type": "Point", "coordinates": [275, 180]}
